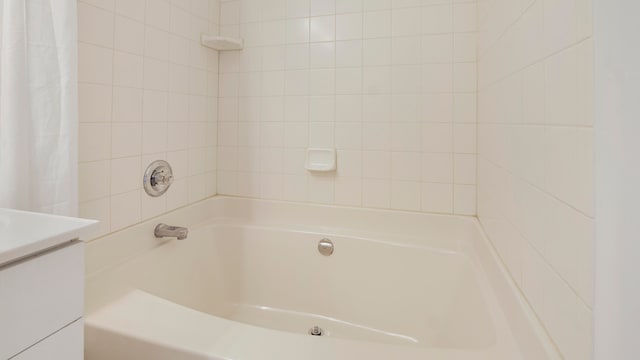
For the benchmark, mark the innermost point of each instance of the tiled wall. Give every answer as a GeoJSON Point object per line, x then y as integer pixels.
{"type": "Point", "coordinates": [390, 84]}
{"type": "Point", "coordinates": [148, 91]}
{"type": "Point", "coordinates": [535, 156]}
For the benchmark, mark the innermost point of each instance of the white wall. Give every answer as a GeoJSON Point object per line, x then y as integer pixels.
{"type": "Point", "coordinates": [617, 125]}
{"type": "Point", "coordinates": [535, 156]}
{"type": "Point", "coordinates": [148, 91]}
{"type": "Point", "coordinates": [390, 84]}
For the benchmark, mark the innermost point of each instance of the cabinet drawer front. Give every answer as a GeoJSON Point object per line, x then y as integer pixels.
{"type": "Point", "coordinates": [39, 296]}
{"type": "Point", "coordinates": [66, 344]}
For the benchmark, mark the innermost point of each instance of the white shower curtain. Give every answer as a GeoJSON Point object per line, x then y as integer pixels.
{"type": "Point", "coordinates": [38, 106]}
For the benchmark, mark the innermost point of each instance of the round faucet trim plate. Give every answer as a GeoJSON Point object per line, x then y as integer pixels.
{"type": "Point", "coordinates": [157, 178]}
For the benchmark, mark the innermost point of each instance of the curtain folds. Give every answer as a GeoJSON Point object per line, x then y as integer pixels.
{"type": "Point", "coordinates": [38, 106]}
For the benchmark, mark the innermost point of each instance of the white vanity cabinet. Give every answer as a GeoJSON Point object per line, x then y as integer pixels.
{"type": "Point", "coordinates": [41, 286]}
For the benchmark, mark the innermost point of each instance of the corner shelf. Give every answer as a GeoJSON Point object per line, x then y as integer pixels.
{"type": "Point", "coordinates": [221, 43]}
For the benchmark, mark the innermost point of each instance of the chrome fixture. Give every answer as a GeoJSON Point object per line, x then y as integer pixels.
{"type": "Point", "coordinates": [157, 178]}
{"type": "Point", "coordinates": [316, 331]}
{"type": "Point", "coordinates": [164, 230]}
{"type": "Point", "coordinates": [325, 247]}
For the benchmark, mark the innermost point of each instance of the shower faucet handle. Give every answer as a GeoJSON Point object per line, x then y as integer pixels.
{"type": "Point", "coordinates": [161, 178]}
{"type": "Point", "coordinates": [157, 178]}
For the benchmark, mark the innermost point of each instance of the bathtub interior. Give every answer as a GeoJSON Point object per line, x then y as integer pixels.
{"type": "Point", "coordinates": [379, 290]}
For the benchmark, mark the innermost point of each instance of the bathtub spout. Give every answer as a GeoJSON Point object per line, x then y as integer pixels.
{"type": "Point", "coordinates": [164, 230]}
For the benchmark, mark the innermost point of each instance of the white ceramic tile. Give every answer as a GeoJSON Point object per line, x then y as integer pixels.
{"type": "Point", "coordinates": [464, 136]}
{"type": "Point", "coordinates": [95, 141]}
{"type": "Point", "coordinates": [125, 210]}
{"type": "Point", "coordinates": [464, 47]}
{"type": "Point", "coordinates": [94, 103]}
{"type": "Point", "coordinates": [437, 48]}
{"type": "Point", "coordinates": [322, 7]}
{"type": "Point", "coordinates": [321, 189]}
{"type": "Point", "coordinates": [464, 199]}
{"type": "Point", "coordinates": [465, 108]}
{"type": "Point", "coordinates": [322, 28]}
{"type": "Point", "coordinates": [154, 138]}
{"type": "Point", "coordinates": [377, 80]}
{"type": "Point", "coordinates": [376, 165]}
{"type": "Point", "coordinates": [105, 4]}
{"type": "Point", "coordinates": [92, 182]}
{"type": "Point", "coordinates": [129, 35]}
{"type": "Point", "coordinates": [348, 136]}
{"type": "Point", "coordinates": [437, 198]}
{"type": "Point", "coordinates": [377, 24]}
{"type": "Point", "coordinates": [126, 140]}
{"type": "Point", "coordinates": [403, 195]}
{"type": "Point", "coordinates": [406, 137]}
{"type": "Point", "coordinates": [349, 26]}
{"type": "Point", "coordinates": [406, 22]}
{"type": "Point", "coordinates": [437, 138]}
{"type": "Point", "coordinates": [131, 8]}
{"type": "Point", "coordinates": [561, 81]}
{"type": "Point", "coordinates": [464, 77]}
{"type": "Point", "coordinates": [158, 14]}
{"type": "Point", "coordinates": [437, 168]}
{"type": "Point", "coordinates": [405, 79]}
{"type": "Point", "coordinates": [465, 169]}
{"type": "Point", "coordinates": [376, 136]}
{"type": "Point", "coordinates": [297, 30]}
{"type": "Point", "coordinates": [406, 166]}
{"type": "Point", "coordinates": [464, 17]}
{"type": "Point", "coordinates": [438, 78]}
{"type": "Point", "coordinates": [296, 188]}
{"type": "Point", "coordinates": [405, 51]}
{"type": "Point", "coordinates": [297, 8]}
{"type": "Point", "coordinates": [348, 53]}
{"type": "Point", "coordinates": [322, 82]}
{"type": "Point", "coordinates": [152, 206]}
{"type": "Point", "coordinates": [348, 191]}
{"type": "Point", "coordinates": [349, 6]}
{"type": "Point", "coordinates": [437, 19]}
{"type": "Point", "coordinates": [125, 175]}
{"type": "Point", "coordinates": [322, 55]}
{"type": "Point", "coordinates": [439, 108]}
{"type": "Point", "coordinates": [348, 81]}
{"type": "Point", "coordinates": [376, 193]}
{"type": "Point", "coordinates": [376, 108]}
{"type": "Point", "coordinates": [349, 108]}
{"type": "Point", "coordinates": [95, 25]}
{"type": "Point", "coordinates": [95, 64]}
{"type": "Point", "coordinates": [376, 52]}
{"type": "Point", "coordinates": [371, 5]}
{"type": "Point", "coordinates": [127, 70]}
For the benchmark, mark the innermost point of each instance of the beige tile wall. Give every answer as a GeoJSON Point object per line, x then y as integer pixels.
{"type": "Point", "coordinates": [535, 156]}
{"type": "Point", "coordinates": [390, 84]}
{"type": "Point", "coordinates": [148, 91]}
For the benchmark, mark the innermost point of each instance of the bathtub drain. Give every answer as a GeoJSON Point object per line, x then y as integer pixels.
{"type": "Point", "coordinates": [315, 331]}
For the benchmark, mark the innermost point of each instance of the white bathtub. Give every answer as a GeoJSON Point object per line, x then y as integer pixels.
{"type": "Point", "coordinates": [249, 283]}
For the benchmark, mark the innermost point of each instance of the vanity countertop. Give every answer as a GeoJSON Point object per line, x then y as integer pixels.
{"type": "Point", "coordinates": [25, 233]}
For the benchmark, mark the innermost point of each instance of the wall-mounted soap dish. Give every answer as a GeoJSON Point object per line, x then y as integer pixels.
{"type": "Point", "coordinates": [321, 160]}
